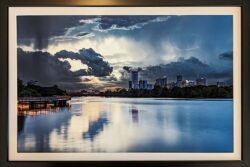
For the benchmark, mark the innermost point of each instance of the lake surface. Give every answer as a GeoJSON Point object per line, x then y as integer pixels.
{"type": "Point", "coordinates": [98, 124]}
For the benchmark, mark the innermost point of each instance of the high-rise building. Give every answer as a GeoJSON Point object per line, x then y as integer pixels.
{"type": "Point", "coordinates": [201, 81]}
{"type": "Point", "coordinates": [134, 75]}
{"type": "Point", "coordinates": [143, 84]}
{"type": "Point", "coordinates": [130, 84]}
{"type": "Point", "coordinates": [179, 81]}
{"type": "Point", "coordinates": [162, 82]}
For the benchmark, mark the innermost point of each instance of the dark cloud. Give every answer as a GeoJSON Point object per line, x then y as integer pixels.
{"type": "Point", "coordinates": [38, 29]}
{"type": "Point", "coordinates": [189, 68]}
{"type": "Point", "coordinates": [44, 68]}
{"type": "Point", "coordinates": [49, 70]}
{"type": "Point", "coordinates": [197, 36]}
{"type": "Point", "coordinates": [226, 56]}
{"type": "Point", "coordinates": [185, 33]}
{"type": "Point", "coordinates": [107, 22]}
{"type": "Point", "coordinates": [129, 69]}
{"type": "Point", "coordinates": [86, 79]}
{"type": "Point", "coordinates": [110, 78]}
{"type": "Point", "coordinates": [82, 34]}
{"type": "Point", "coordinates": [96, 65]}
{"type": "Point", "coordinates": [220, 74]}
{"type": "Point", "coordinates": [126, 68]}
{"type": "Point", "coordinates": [81, 72]}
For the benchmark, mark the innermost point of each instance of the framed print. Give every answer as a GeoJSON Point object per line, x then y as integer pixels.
{"type": "Point", "coordinates": [140, 82]}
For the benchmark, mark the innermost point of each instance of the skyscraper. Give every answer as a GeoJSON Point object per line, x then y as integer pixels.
{"type": "Point", "coordinates": [134, 75]}
{"type": "Point", "coordinates": [130, 84]}
{"type": "Point", "coordinates": [179, 81]}
{"type": "Point", "coordinates": [143, 84]}
{"type": "Point", "coordinates": [162, 82]}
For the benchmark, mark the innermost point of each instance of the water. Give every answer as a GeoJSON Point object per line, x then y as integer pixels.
{"type": "Point", "coordinates": [97, 124]}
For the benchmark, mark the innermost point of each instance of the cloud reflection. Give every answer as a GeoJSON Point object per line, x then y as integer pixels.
{"type": "Point", "coordinates": [96, 124]}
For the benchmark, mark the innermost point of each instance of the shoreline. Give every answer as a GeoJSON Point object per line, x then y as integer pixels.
{"type": "Point", "coordinates": [164, 98]}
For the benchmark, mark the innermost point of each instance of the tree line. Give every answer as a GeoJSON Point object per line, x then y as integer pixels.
{"type": "Point", "coordinates": [32, 90]}
{"type": "Point", "coordinates": [212, 91]}
{"type": "Point", "coordinates": [186, 92]}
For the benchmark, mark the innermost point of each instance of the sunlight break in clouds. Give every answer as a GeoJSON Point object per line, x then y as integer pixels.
{"type": "Point", "coordinates": [75, 64]}
{"type": "Point", "coordinates": [132, 51]}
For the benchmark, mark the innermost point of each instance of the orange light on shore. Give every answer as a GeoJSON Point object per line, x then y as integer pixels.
{"type": "Point", "coordinates": [23, 107]}
{"type": "Point", "coordinates": [24, 110]}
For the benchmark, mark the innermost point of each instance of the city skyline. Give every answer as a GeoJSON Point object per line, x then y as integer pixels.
{"type": "Point", "coordinates": [139, 83]}
{"type": "Point", "coordinates": [94, 52]}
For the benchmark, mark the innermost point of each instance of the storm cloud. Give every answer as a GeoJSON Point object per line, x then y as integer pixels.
{"type": "Point", "coordinates": [190, 69]}
{"type": "Point", "coordinates": [82, 34]}
{"type": "Point", "coordinates": [96, 65]}
{"type": "Point", "coordinates": [127, 22]}
{"type": "Point", "coordinates": [44, 68]}
{"type": "Point", "coordinates": [226, 55]}
{"type": "Point", "coordinates": [193, 46]}
{"type": "Point", "coordinates": [47, 69]}
{"type": "Point", "coordinates": [37, 30]}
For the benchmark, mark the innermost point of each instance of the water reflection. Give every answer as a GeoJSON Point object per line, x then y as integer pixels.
{"type": "Point", "coordinates": [95, 128]}
{"type": "Point", "coordinates": [135, 114]}
{"type": "Point", "coordinates": [35, 136]}
{"type": "Point", "coordinates": [20, 123]}
{"type": "Point", "coordinates": [95, 124]}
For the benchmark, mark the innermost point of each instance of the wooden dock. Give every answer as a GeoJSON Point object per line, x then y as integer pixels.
{"type": "Point", "coordinates": [43, 102]}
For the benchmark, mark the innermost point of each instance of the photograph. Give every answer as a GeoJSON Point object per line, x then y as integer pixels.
{"type": "Point", "coordinates": [126, 83]}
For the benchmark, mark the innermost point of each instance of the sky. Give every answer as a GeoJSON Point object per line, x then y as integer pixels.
{"type": "Point", "coordinates": [92, 52]}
